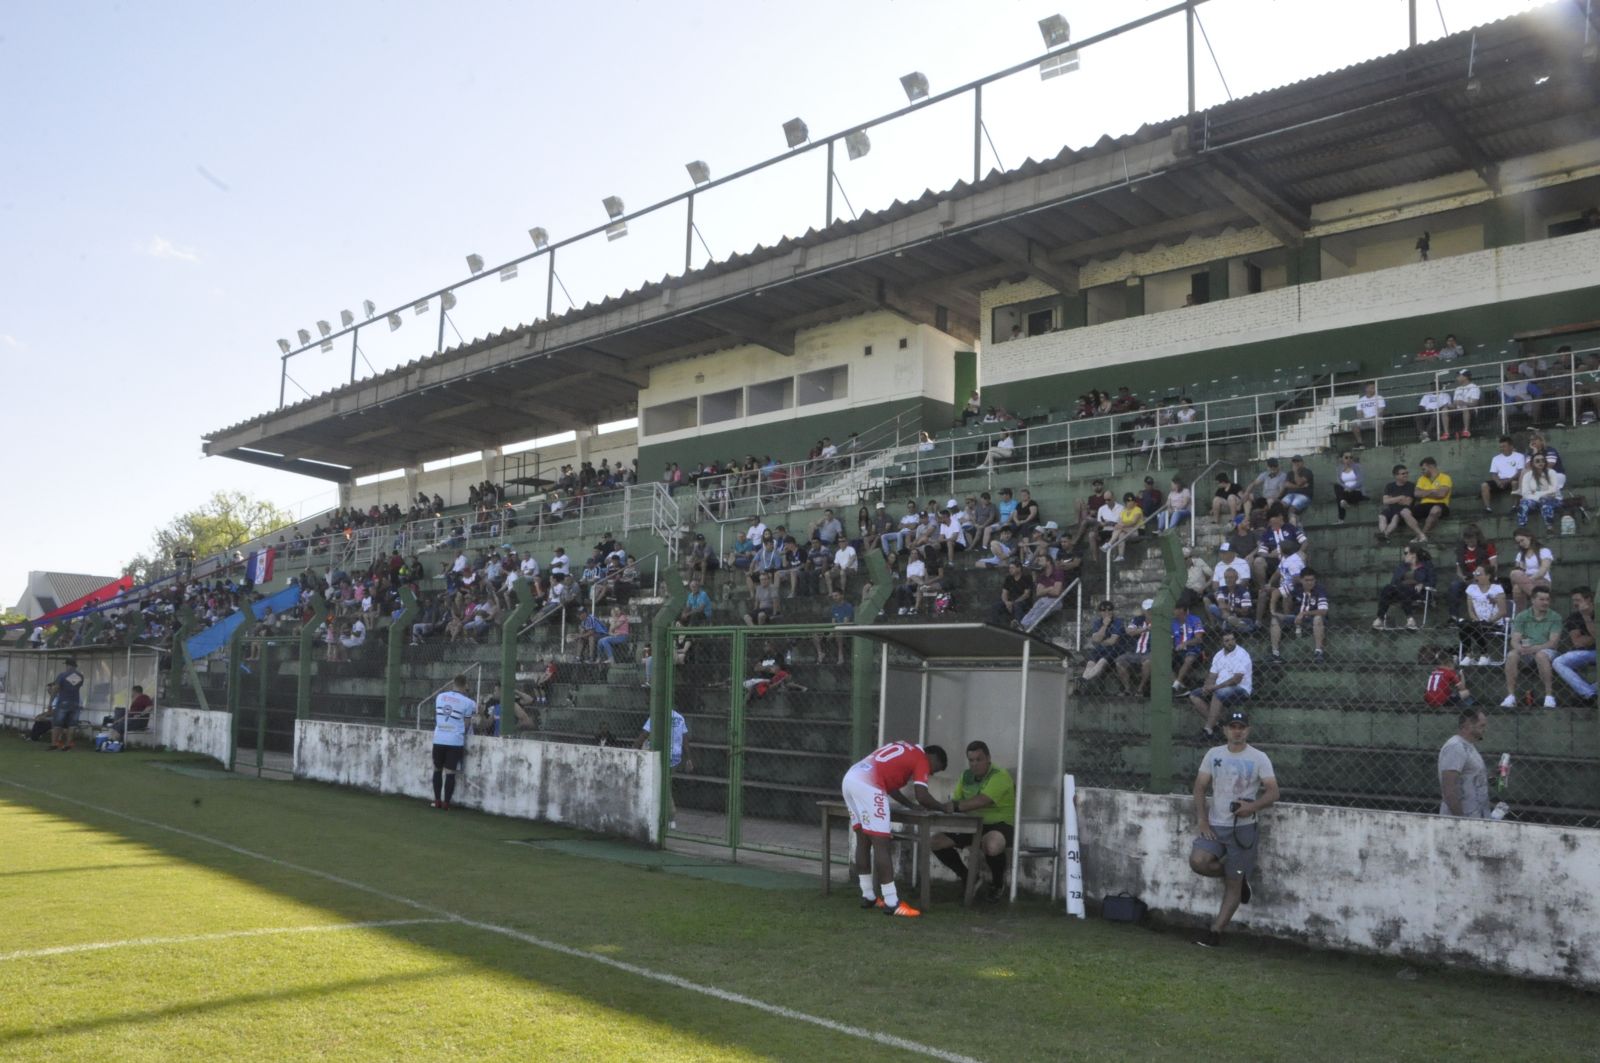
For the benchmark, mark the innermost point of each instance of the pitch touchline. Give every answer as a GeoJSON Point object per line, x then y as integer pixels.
{"type": "Point", "coordinates": [222, 935]}
{"type": "Point", "coordinates": [885, 1039]}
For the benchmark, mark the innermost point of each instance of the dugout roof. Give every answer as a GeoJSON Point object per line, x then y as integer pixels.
{"type": "Point", "coordinates": [1261, 160]}
{"type": "Point", "coordinates": [937, 643]}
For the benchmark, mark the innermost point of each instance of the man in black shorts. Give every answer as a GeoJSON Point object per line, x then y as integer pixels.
{"type": "Point", "coordinates": [452, 717]}
{"type": "Point", "coordinates": [989, 791]}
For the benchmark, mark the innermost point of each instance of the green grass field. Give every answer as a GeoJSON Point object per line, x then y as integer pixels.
{"type": "Point", "coordinates": [154, 913]}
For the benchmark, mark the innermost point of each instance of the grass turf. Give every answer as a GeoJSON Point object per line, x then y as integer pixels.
{"type": "Point", "coordinates": [1039, 986]}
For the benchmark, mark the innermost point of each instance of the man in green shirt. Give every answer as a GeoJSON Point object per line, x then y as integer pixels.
{"type": "Point", "coordinates": [989, 791]}
{"type": "Point", "coordinates": [1534, 635]}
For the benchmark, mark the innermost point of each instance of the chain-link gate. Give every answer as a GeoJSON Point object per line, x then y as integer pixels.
{"type": "Point", "coordinates": [267, 672]}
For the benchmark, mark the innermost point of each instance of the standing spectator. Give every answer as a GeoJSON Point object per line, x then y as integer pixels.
{"type": "Point", "coordinates": [1242, 783]}
{"type": "Point", "coordinates": [1531, 566]}
{"type": "Point", "coordinates": [1433, 406]}
{"type": "Point", "coordinates": [1471, 552]}
{"type": "Point", "coordinates": [1105, 642]}
{"type": "Point", "coordinates": [1505, 473]}
{"type": "Point", "coordinates": [1579, 631]}
{"type": "Point", "coordinates": [1298, 490]}
{"type": "Point", "coordinates": [1484, 619]}
{"type": "Point", "coordinates": [1177, 510]}
{"type": "Point", "coordinates": [1540, 488]}
{"type": "Point", "coordinates": [1016, 594]}
{"type": "Point", "coordinates": [679, 756]}
{"type": "Point", "coordinates": [1136, 653]}
{"type": "Point", "coordinates": [1535, 633]}
{"type": "Point", "coordinates": [1463, 778]}
{"type": "Point", "coordinates": [1399, 495]}
{"type": "Point", "coordinates": [1307, 606]}
{"type": "Point", "coordinates": [1432, 497]}
{"type": "Point", "coordinates": [1348, 484]}
{"type": "Point", "coordinates": [1227, 684]}
{"type": "Point", "coordinates": [452, 716]}
{"type": "Point", "coordinates": [1188, 645]}
{"type": "Point", "coordinates": [1227, 501]}
{"type": "Point", "coordinates": [1463, 401]}
{"type": "Point", "coordinates": [68, 702]}
{"type": "Point", "coordinates": [1370, 408]}
{"type": "Point", "coordinates": [1412, 580]}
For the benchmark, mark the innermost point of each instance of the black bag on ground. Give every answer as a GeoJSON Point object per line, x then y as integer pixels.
{"type": "Point", "coordinates": [1123, 908]}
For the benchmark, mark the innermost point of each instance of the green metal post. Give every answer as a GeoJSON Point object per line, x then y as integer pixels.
{"type": "Point", "coordinates": [264, 671]}
{"type": "Point", "coordinates": [1161, 651]}
{"type": "Point", "coordinates": [397, 645]}
{"type": "Point", "coordinates": [321, 612]}
{"type": "Point", "coordinates": [662, 669]}
{"type": "Point", "coordinates": [864, 706]}
{"type": "Point", "coordinates": [508, 659]}
{"type": "Point", "coordinates": [235, 652]}
{"type": "Point", "coordinates": [180, 653]}
{"type": "Point", "coordinates": [736, 739]}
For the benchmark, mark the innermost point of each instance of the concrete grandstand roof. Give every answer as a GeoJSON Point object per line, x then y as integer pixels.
{"type": "Point", "coordinates": [1262, 160]}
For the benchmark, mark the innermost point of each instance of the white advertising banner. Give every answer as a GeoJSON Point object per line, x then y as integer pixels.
{"type": "Point", "coordinates": [1072, 859]}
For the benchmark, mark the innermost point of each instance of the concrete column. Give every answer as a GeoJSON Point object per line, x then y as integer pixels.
{"type": "Point", "coordinates": [584, 436]}
{"type": "Point", "coordinates": [345, 490]}
{"type": "Point", "coordinates": [1305, 262]}
{"type": "Point", "coordinates": [413, 474]}
{"type": "Point", "coordinates": [1134, 290]}
{"type": "Point", "coordinates": [490, 459]}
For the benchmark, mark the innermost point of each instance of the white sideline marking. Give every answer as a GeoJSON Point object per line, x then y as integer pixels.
{"type": "Point", "coordinates": [221, 935]}
{"type": "Point", "coordinates": [886, 1039]}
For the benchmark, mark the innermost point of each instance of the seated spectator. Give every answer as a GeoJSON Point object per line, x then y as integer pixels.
{"type": "Point", "coordinates": [1517, 393]}
{"type": "Point", "coordinates": [355, 636]}
{"type": "Point", "coordinates": [1297, 491]}
{"type": "Point", "coordinates": [764, 606]}
{"type": "Point", "coordinates": [1579, 633]}
{"type": "Point", "coordinates": [1446, 688]}
{"type": "Point", "coordinates": [1306, 606]}
{"type": "Point", "coordinates": [1535, 634]}
{"type": "Point", "coordinates": [1001, 450]}
{"type": "Point", "coordinates": [1124, 402]}
{"type": "Point", "coordinates": [1048, 589]}
{"type": "Point", "coordinates": [617, 633]}
{"type": "Point", "coordinates": [1540, 488]}
{"type": "Point", "coordinates": [1129, 522]}
{"type": "Point", "coordinates": [1349, 484]}
{"type": "Point", "coordinates": [844, 564]}
{"type": "Point", "coordinates": [1413, 578]}
{"type": "Point", "coordinates": [1026, 516]}
{"type": "Point", "coordinates": [1196, 579]}
{"type": "Point", "coordinates": [1177, 509]}
{"type": "Point", "coordinates": [1267, 488]}
{"type": "Point", "coordinates": [1108, 520]}
{"type": "Point", "coordinates": [1485, 617]}
{"type": "Point", "coordinates": [1228, 500]}
{"type": "Point", "coordinates": [972, 411]}
{"type": "Point", "coordinates": [841, 613]}
{"type": "Point", "coordinates": [794, 565]}
{"type": "Point", "coordinates": [1233, 609]}
{"type": "Point", "coordinates": [1586, 387]}
{"type": "Point", "coordinates": [1089, 508]}
{"type": "Point", "coordinates": [908, 592]}
{"type": "Point", "coordinates": [925, 443]}
{"type": "Point", "coordinates": [828, 529]}
{"type": "Point", "coordinates": [1151, 498]}
{"type": "Point", "coordinates": [136, 717]}
{"type": "Point", "coordinates": [696, 607]}
{"type": "Point", "coordinates": [1016, 596]}
{"type": "Point", "coordinates": [1432, 497]}
{"type": "Point", "coordinates": [1136, 651]}
{"type": "Point", "coordinates": [1505, 473]}
{"type": "Point", "coordinates": [1370, 408]}
{"type": "Point", "coordinates": [1228, 682]}
{"type": "Point", "coordinates": [1227, 558]}
{"type": "Point", "coordinates": [890, 532]}
{"type": "Point", "coordinates": [1399, 495]}
{"type": "Point", "coordinates": [1432, 408]}
{"type": "Point", "coordinates": [1430, 350]}
{"type": "Point", "coordinates": [1104, 644]}
{"type": "Point", "coordinates": [1463, 400]}
{"type": "Point", "coordinates": [1270, 552]}
{"type": "Point", "coordinates": [1537, 445]}
{"type": "Point", "coordinates": [1188, 645]}
{"type": "Point", "coordinates": [1471, 552]}
{"type": "Point", "coordinates": [541, 681]}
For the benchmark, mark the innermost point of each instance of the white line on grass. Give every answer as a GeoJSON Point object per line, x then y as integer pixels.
{"type": "Point", "coordinates": [221, 935]}
{"type": "Point", "coordinates": [877, 1037]}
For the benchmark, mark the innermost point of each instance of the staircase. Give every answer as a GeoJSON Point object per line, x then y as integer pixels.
{"type": "Point", "coordinates": [1309, 433]}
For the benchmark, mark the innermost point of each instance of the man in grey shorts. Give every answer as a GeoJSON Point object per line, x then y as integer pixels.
{"type": "Point", "coordinates": [1241, 782]}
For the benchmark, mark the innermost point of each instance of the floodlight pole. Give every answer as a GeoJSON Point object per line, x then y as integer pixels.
{"type": "Point", "coordinates": [1413, 6]}
{"type": "Point", "coordinates": [688, 237]}
{"type": "Point", "coordinates": [355, 350]}
{"type": "Point", "coordinates": [977, 133]}
{"type": "Point", "coordinates": [1188, 14]}
{"type": "Point", "coordinates": [550, 286]}
{"type": "Point", "coordinates": [829, 210]}
{"type": "Point", "coordinates": [283, 378]}
{"type": "Point", "coordinates": [439, 347]}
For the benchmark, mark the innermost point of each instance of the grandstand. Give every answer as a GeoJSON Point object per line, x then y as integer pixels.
{"type": "Point", "coordinates": [1243, 272]}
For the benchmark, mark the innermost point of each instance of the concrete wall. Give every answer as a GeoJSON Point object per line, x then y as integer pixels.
{"type": "Point", "coordinates": [195, 731]}
{"type": "Point", "coordinates": [1517, 898]}
{"type": "Point", "coordinates": [611, 791]}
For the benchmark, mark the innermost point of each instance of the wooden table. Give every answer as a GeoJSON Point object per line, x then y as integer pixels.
{"type": "Point", "coordinates": [925, 823]}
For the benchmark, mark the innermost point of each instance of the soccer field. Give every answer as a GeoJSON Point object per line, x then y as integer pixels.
{"type": "Point", "coordinates": [159, 909]}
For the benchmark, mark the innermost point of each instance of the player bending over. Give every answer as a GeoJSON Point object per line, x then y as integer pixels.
{"type": "Point", "coordinates": [867, 787]}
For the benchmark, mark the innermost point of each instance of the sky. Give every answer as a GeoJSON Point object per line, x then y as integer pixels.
{"type": "Point", "coordinates": [181, 184]}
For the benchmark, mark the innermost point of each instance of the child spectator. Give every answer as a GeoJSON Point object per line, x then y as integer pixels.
{"type": "Point", "coordinates": [1445, 688]}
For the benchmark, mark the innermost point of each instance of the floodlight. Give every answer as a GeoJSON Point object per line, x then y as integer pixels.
{"type": "Point", "coordinates": [447, 301]}
{"type": "Point", "coordinates": [795, 132]}
{"type": "Point", "coordinates": [508, 273]}
{"type": "Point", "coordinates": [326, 345]}
{"type": "Point", "coordinates": [304, 336]}
{"type": "Point", "coordinates": [475, 263]}
{"type": "Point", "coordinates": [283, 345]}
{"type": "Point", "coordinates": [394, 322]}
{"type": "Point", "coordinates": [324, 328]}
{"type": "Point", "coordinates": [1055, 31]}
{"type": "Point", "coordinates": [614, 209]}
{"type": "Point", "coordinates": [699, 172]}
{"type": "Point", "coordinates": [346, 319]}
{"type": "Point", "coordinates": [1056, 65]}
{"type": "Point", "coordinates": [856, 144]}
{"type": "Point", "coordinates": [370, 308]}
{"type": "Point", "coordinates": [419, 307]}
{"type": "Point", "coordinates": [540, 238]}
{"type": "Point", "coordinates": [916, 86]}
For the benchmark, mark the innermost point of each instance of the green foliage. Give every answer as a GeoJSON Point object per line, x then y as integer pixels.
{"type": "Point", "coordinates": [10, 616]}
{"type": "Point", "coordinates": [227, 520]}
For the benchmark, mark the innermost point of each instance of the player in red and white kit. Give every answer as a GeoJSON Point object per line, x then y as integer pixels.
{"type": "Point", "coordinates": [868, 786]}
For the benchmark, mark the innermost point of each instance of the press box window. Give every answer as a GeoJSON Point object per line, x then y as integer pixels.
{"type": "Point", "coordinates": [669, 417]}
{"type": "Point", "coordinates": [770, 397]}
{"type": "Point", "coordinates": [824, 385]}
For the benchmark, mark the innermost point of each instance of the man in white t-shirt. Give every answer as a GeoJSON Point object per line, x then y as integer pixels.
{"type": "Point", "coordinates": [1370, 408]}
{"type": "Point", "coordinates": [452, 716]}
{"type": "Point", "coordinates": [1228, 683]}
{"type": "Point", "coordinates": [560, 563]}
{"type": "Point", "coordinates": [844, 563]}
{"type": "Point", "coordinates": [1505, 472]}
{"type": "Point", "coordinates": [1229, 559]}
{"type": "Point", "coordinates": [1000, 451]}
{"type": "Point", "coordinates": [1463, 779]}
{"type": "Point", "coordinates": [1242, 783]}
{"type": "Point", "coordinates": [951, 533]}
{"type": "Point", "coordinates": [677, 752]}
{"type": "Point", "coordinates": [1463, 401]}
{"type": "Point", "coordinates": [754, 533]}
{"type": "Point", "coordinates": [1431, 415]}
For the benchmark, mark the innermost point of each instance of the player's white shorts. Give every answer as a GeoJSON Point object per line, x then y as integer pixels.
{"type": "Point", "coordinates": [868, 804]}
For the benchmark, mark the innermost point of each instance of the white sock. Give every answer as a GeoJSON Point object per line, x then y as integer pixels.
{"type": "Point", "coordinates": [891, 896]}
{"type": "Point", "coordinates": [866, 886]}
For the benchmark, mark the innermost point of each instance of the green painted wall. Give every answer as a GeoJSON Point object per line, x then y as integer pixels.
{"type": "Point", "coordinates": [966, 377]}
{"type": "Point", "coordinates": [1374, 345]}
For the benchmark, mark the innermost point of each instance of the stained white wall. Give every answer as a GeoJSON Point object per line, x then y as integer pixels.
{"type": "Point", "coordinates": [1517, 898]}
{"type": "Point", "coordinates": [204, 731]}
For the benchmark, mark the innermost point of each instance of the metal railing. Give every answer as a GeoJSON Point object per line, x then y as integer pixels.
{"type": "Point", "coordinates": [476, 670]}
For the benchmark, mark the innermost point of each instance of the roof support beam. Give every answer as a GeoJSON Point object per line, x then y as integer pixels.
{"type": "Point", "coordinates": [1277, 215]}
{"type": "Point", "coordinates": [1008, 245]}
{"type": "Point", "coordinates": [1461, 142]}
{"type": "Point", "coordinates": [1114, 243]}
{"type": "Point", "coordinates": [750, 329]}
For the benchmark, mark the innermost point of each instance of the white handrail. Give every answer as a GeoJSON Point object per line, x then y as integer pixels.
{"type": "Point", "coordinates": [476, 666]}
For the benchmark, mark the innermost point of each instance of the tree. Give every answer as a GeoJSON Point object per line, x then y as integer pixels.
{"type": "Point", "coordinates": [228, 520]}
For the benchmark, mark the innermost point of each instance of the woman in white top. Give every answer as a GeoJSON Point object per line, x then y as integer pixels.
{"type": "Point", "coordinates": [924, 442]}
{"type": "Point", "coordinates": [1177, 510]}
{"type": "Point", "coordinates": [1531, 568]}
{"type": "Point", "coordinates": [1349, 485]}
{"type": "Point", "coordinates": [1486, 613]}
{"type": "Point", "coordinates": [1540, 488]}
